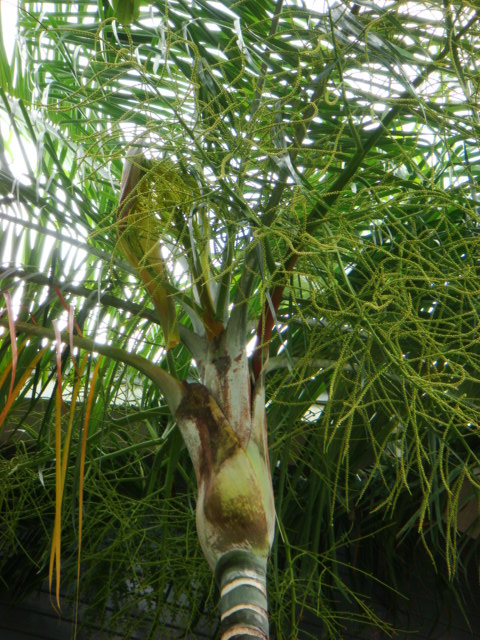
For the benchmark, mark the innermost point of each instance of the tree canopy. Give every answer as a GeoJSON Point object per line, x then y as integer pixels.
{"type": "Point", "coordinates": [311, 177]}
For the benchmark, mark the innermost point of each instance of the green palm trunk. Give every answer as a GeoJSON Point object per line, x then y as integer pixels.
{"type": "Point", "coordinates": [241, 576]}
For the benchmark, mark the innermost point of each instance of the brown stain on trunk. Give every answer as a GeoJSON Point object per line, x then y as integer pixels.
{"type": "Point", "coordinates": [233, 510]}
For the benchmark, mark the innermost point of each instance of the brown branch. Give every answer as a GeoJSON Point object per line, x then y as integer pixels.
{"type": "Point", "coordinates": [266, 322]}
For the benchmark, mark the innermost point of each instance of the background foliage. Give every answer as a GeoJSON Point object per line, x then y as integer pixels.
{"type": "Point", "coordinates": [342, 139]}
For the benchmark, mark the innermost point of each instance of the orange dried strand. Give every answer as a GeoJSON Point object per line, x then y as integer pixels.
{"type": "Point", "coordinates": [20, 385]}
{"type": "Point", "coordinates": [55, 554]}
{"type": "Point", "coordinates": [83, 453]}
{"type": "Point", "coordinates": [13, 339]}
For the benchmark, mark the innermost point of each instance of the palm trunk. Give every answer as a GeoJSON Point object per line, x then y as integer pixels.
{"type": "Point", "coordinates": [241, 577]}
{"type": "Point", "coordinates": [223, 425]}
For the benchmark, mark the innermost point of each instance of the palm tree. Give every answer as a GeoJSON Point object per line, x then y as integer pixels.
{"type": "Point", "coordinates": [293, 242]}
